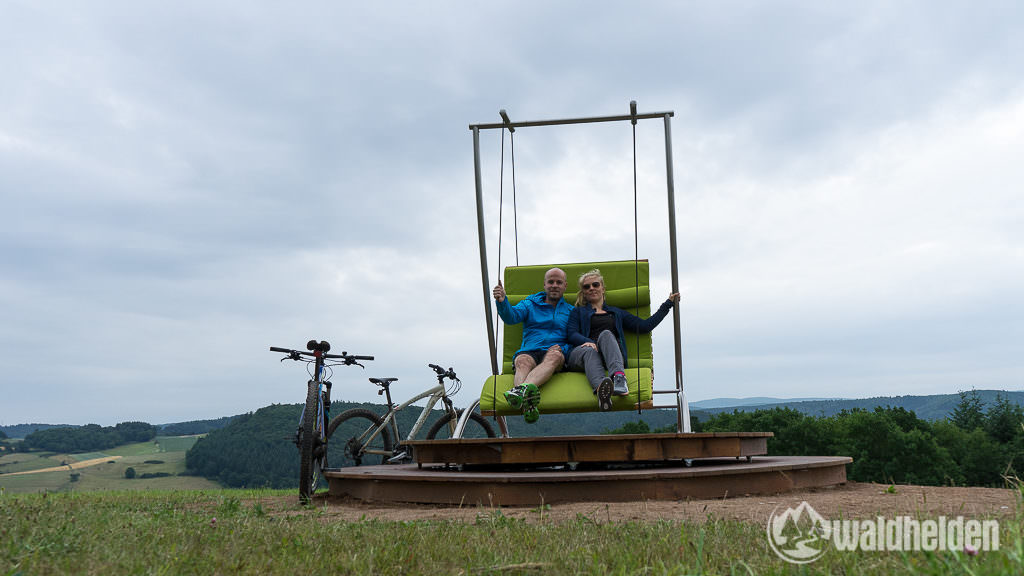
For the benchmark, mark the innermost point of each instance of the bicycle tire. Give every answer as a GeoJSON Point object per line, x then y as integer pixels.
{"type": "Point", "coordinates": [442, 427]}
{"type": "Point", "coordinates": [348, 449]}
{"type": "Point", "coordinates": [309, 441]}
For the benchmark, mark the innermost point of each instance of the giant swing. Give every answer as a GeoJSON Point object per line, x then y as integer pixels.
{"type": "Point", "coordinates": [516, 470]}
{"type": "Point", "coordinates": [627, 287]}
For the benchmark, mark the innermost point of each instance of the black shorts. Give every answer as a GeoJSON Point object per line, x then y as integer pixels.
{"type": "Point", "coordinates": [537, 355]}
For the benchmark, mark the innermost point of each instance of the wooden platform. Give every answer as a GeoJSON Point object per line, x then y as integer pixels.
{"type": "Point", "coordinates": [620, 448]}
{"type": "Point", "coordinates": [711, 478]}
{"type": "Point", "coordinates": [606, 468]}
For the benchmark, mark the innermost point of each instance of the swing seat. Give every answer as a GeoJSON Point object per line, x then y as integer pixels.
{"type": "Point", "coordinates": [568, 392]}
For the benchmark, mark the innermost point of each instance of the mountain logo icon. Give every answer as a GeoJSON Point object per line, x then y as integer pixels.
{"type": "Point", "coordinates": [799, 535]}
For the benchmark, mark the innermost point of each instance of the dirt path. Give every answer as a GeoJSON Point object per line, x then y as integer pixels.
{"type": "Point", "coordinates": [72, 466]}
{"type": "Point", "coordinates": [852, 500]}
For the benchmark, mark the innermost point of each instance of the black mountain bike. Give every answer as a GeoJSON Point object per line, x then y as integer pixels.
{"type": "Point", "coordinates": [311, 436]}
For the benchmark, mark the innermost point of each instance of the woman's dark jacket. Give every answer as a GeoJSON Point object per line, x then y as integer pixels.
{"type": "Point", "coordinates": [579, 324]}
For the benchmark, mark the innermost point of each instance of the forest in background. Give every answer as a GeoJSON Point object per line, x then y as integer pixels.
{"type": "Point", "coordinates": [978, 443]}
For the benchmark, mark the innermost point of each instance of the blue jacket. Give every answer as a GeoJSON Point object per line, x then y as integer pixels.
{"type": "Point", "coordinates": [543, 324]}
{"type": "Point", "coordinates": [579, 324]}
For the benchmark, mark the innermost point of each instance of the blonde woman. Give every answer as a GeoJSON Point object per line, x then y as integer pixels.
{"type": "Point", "coordinates": [596, 332]}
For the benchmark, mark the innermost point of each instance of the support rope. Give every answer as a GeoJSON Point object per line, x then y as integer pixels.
{"type": "Point", "coordinates": [501, 205]}
{"type": "Point", "coordinates": [501, 202]}
{"type": "Point", "coordinates": [515, 210]}
{"type": "Point", "coordinates": [515, 228]}
{"type": "Point", "coordinates": [636, 269]}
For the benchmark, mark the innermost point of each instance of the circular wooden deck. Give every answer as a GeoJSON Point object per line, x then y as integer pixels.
{"type": "Point", "coordinates": [705, 478]}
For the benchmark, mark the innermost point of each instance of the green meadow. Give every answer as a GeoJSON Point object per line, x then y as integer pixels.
{"type": "Point", "coordinates": [163, 458]}
{"type": "Point", "coordinates": [103, 523]}
{"type": "Point", "coordinates": [263, 532]}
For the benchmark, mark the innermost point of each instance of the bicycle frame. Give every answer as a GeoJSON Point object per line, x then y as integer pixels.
{"type": "Point", "coordinates": [436, 393]}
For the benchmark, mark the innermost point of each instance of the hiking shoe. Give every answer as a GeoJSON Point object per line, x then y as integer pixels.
{"type": "Point", "coordinates": [604, 394]}
{"type": "Point", "coordinates": [531, 414]}
{"type": "Point", "coordinates": [531, 395]}
{"type": "Point", "coordinates": [515, 397]}
{"type": "Point", "coordinates": [621, 388]}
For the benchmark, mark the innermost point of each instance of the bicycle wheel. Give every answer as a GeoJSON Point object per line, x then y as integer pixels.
{"type": "Point", "coordinates": [310, 439]}
{"type": "Point", "coordinates": [351, 441]}
{"type": "Point", "coordinates": [477, 427]}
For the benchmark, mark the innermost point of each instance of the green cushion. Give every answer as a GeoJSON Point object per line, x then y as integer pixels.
{"type": "Point", "coordinates": [565, 392]}
{"type": "Point", "coordinates": [570, 391]}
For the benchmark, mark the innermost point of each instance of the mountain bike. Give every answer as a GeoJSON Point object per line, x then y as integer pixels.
{"type": "Point", "coordinates": [367, 437]}
{"type": "Point", "coordinates": [311, 437]}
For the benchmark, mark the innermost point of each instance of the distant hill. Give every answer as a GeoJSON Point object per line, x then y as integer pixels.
{"type": "Point", "coordinates": [22, 430]}
{"type": "Point", "coordinates": [755, 401]}
{"type": "Point", "coordinates": [194, 427]}
{"type": "Point", "coordinates": [934, 407]}
{"type": "Point", "coordinates": [190, 428]}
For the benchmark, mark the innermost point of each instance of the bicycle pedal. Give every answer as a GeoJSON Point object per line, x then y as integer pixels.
{"type": "Point", "coordinates": [399, 457]}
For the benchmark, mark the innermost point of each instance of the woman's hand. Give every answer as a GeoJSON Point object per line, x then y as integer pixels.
{"type": "Point", "coordinates": [673, 297]}
{"type": "Point", "coordinates": [499, 292]}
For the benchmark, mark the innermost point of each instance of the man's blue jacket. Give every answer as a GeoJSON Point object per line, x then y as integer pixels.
{"type": "Point", "coordinates": [544, 325]}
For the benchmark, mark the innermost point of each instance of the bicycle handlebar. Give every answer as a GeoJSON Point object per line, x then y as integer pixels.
{"type": "Point", "coordinates": [442, 373]}
{"type": "Point", "coordinates": [295, 354]}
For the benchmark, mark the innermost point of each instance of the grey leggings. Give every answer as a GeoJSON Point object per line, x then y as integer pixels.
{"type": "Point", "coordinates": [593, 362]}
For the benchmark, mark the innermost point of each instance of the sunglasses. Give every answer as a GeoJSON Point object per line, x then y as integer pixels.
{"type": "Point", "coordinates": [594, 285]}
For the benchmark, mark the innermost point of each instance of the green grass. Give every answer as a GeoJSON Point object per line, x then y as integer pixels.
{"type": "Point", "coordinates": [21, 461]}
{"type": "Point", "coordinates": [249, 532]}
{"type": "Point", "coordinates": [176, 443]}
{"type": "Point", "coordinates": [82, 456]}
{"type": "Point", "coordinates": [108, 475]}
{"type": "Point", "coordinates": [137, 449]}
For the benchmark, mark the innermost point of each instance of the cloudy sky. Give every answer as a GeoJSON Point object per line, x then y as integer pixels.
{"type": "Point", "coordinates": [185, 184]}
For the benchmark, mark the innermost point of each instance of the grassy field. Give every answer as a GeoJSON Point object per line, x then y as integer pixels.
{"type": "Point", "coordinates": [176, 443]}
{"type": "Point", "coordinates": [20, 462]}
{"type": "Point", "coordinates": [249, 532]}
{"type": "Point", "coordinates": [166, 455]}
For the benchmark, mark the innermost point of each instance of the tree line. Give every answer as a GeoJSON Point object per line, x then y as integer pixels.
{"type": "Point", "coordinates": [88, 438]}
{"type": "Point", "coordinates": [977, 445]}
{"type": "Point", "coordinates": [931, 407]}
{"type": "Point", "coordinates": [256, 449]}
{"type": "Point", "coordinates": [194, 427]}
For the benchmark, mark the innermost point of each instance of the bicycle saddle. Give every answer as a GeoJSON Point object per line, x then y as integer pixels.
{"type": "Point", "coordinates": [382, 381]}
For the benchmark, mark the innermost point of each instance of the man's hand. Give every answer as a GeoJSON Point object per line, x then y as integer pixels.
{"type": "Point", "coordinates": [499, 292]}
{"type": "Point", "coordinates": [674, 297]}
{"type": "Point", "coordinates": [589, 345]}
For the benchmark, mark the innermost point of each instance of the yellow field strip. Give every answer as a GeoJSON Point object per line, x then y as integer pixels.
{"type": "Point", "coordinates": [73, 466]}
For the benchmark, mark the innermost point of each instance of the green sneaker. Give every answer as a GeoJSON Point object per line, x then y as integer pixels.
{"type": "Point", "coordinates": [531, 401]}
{"type": "Point", "coordinates": [531, 414]}
{"type": "Point", "coordinates": [531, 394]}
{"type": "Point", "coordinates": [515, 397]}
